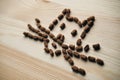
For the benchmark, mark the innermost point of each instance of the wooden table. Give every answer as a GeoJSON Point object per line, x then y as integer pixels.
{"type": "Point", "coordinates": [25, 59]}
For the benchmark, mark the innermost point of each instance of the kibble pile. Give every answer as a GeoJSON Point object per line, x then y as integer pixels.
{"type": "Point", "coordinates": [68, 51]}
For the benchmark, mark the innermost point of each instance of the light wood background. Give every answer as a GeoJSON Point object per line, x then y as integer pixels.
{"type": "Point", "coordinates": [24, 59]}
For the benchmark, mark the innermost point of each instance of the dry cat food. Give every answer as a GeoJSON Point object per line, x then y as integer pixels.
{"type": "Point", "coordinates": [42, 34]}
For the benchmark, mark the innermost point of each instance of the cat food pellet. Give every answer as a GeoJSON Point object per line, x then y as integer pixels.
{"type": "Point", "coordinates": [76, 54]}
{"type": "Point", "coordinates": [79, 42]}
{"type": "Point", "coordinates": [60, 17]}
{"type": "Point", "coordinates": [35, 38]}
{"type": "Point", "coordinates": [59, 36]}
{"type": "Point", "coordinates": [87, 29]}
{"type": "Point", "coordinates": [51, 52]}
{"type": "Point", "coordinates": [83, 35]}
{"type": "Point", "coordinates": [62, 38]}
{"type": "Point", "coordinates": [91, 18]}
{"type": "Point", "coordinates": [64, 51]}
{"type": "Point", "coordinates": [64, 11]}
{"type": "Point", "coordinates": [59, 42]}
{"type": "Point", "coordinates": [100, 62]}
{"type": "Point", "coordinates": [64, 46]}
{"type": "Point", "coordinates": [37, 20]}
{"type": "Point", "coordinates": [79, 48]}
{"type": "Point", "coordinates": [45, 44]}
{"type": "Point", "coordinates": [69, 18]}
{"type": "Point", "coordinates": [68, 11]}
{"type": "Point", "coordinates": [42, 28]}
{"type": "Point", "coordinates": [32, 29]}
{"type": "Point", "coordinates": [46, 50]}
{"type": "Point", "coordinates": [90, 23]}
{"type": "Point", "coordinates": [46, 40]}
{"type": "Point", "coordinates": [70, 52]}
{"type": "Point", "coordinates": [75, 19]}
{"type": "Point", "coordinates": [54, 39]}
{"type": "Point", "coordinates": [91, 59]}
{"type": "Point", "coordinates": [86, 48]}
{"type": "Point", "coordinates": [66, 56]}
{"type": "Point", "coordinates": [81, 71]}
{"type": "Point", "coordinates": [44, 35]}
{"type": "Point", "coordinates": [40, 39]}
{"type": "Point", "coordinates": [51, 35]}
{"type": "Point", "coordinates": [39, 33]}
{"type": "Point", "coordinates": [79, 23]}
{"type": "Point", "coordinates": [96, 46]}
{"type": "Point", "coordinates": [55, 22]}
{"type": "Point", "coordinates": [47, 31]}
{"type": "Point", "coordinates": [58, 52]}
{"type": "Point", "coordinates": [75, 69]}
{"type": "Point", "coordinates": [54, 45]}
{"type": "Point", "coordinates": [83, 57]}
{"type": "Point", "coordinates": [72, 47]}
{"type": "Point", "coordinates": [71, 62]}
{"type": "Point", "coordinates": [74, 32]}
{"type": "Point", "coordinates": [62, 26]}
{"type": "Point", "coordinates": [25, 34]}
{"type": "Point", "coordinates": [84, 22]}
{"type": "Point", "coordinates": [51, 26]}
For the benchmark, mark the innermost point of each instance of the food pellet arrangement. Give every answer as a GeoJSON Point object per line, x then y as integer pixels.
{"type": "Point", "coordinates": [68, 50]}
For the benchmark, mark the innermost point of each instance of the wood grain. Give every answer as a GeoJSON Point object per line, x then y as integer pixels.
{"type": "Point", "coordinates": [22, 59]}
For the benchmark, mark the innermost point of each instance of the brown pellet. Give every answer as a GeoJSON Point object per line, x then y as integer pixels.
{"type": "Point", "coordinates": [51, 52]}
{"type": "Point", "coordinates": [64, 51]}
{"type": "Point", "coordinates": [83, 34]}
{"type": "Point", "coordinates": [72, 47]}
{"type": "Point", "coordinates": [37, 20]}
{"type": "Point", "coordinates": [69, 18]}
{"type": "Point", "coordinates": [40, 34]}
{"type": "Point", "coordinates": [81, 71]}
{"type": "Point", "coordinates": [87, 29]}
{"type": "Point", "coordinates": [51, 26]}
{"type": "Point", "coordinates": [35, 38]}
{"type": "Point", "coordinates": [54, 39]}
{"type": "Point", "coordinates": [42, 28]}
{"type": "Point", "coordinates": [32, 29]}
{"type": "Point", "coordinates": [47, 31]}
{"type": "Point", "coordinates": [44, 35]}
{"type": "Point", "coordinates": [96, 46]}
{"type": "Point", "coordinates": [90, 23]}
{"type": "Point", "coordinates": [68, 11]}
{"type": "Point", "coordinates": [83, 57]}
{"type": "Point", "coordinates": [75, 19]}
{"type": "Point", "coordinates": [46, 50]}
{"type": "Point", "coordinates": [79, 48]}
{"type": "Point", "coordinates": [58, 52]}
{"type": "Point", "coordinates": [66, 57]}
{"type": "Point", "coordinates": [54, 45]}
{"type": "Point", "coordinates": [91, 18]}
{"type": "Point", "coordinates": [75, 69]}
{"type": "Point", "coordinates": [59, 36]}
{"type": "Point", "coordinates": [51, 35]}
{"type": "Point", "coordinates": [78, 42]}
{"type": "Point", "coordinates": [25, 34]}
{"type": "Point", "coordinates": [100, 61]}
{"type": "Point", "coordinates": [84, 22]}
{"type": "Point", "coordinates": [70, 52]}
{"type": "Point", "coordinates": [76, 54]}
{"type": "Point", "coordinates": [86, 48]}
{"type": "Point", "coordinates": [62, 38]}
{"type": "Point", "coordinates": [40, 39]}
{"type": "Point", "coordinates": [74, 32]}
{"type": "Point", "coordinates": [64, 11]}
{"type": "Point", "coordinates": [64, 46]}
{"type": "Point", "coordinates": [45, 44]}
{"type": "Point", "coordinates": [91, 59]}
{"type": "Point", "coordinates": [71, 62]}
{"type": "Point", "coordinates": [79, 23]}
{"type": "Point", "coordinates": [62, 26]}
{"type": "Point", "coordinates": [46, 40]}
{"type": "Point", "coordinates": [55, 22]}
{"type": "Point", "coordinates": [60, 17]}
{"type": "Point", "coordinates": [59, 42]}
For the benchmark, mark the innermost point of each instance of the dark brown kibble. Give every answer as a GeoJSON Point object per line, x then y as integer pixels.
{"type": "Point", "coordinates": [62, 26]}
{"type": "Point", "coordinates": [47, 31]}
{"type": "Point", "coordinates": [91, 18]}
{"type": "Point", "coordinates": [72, 47]}
{"type": "Point", "coordinates": [79, 48]}
{"type": "Point", "coordinates": [59, 42]}
{"type": "Point", "coordinates": [37, 20]}
{"type": "Point", "coordinates": [35, 38]}
{"type": "Point", "coordinates": [55, 22]}
{"type": "Point", "coordinates": [51, 27]}
{"type": "Point", "coordinates": [83, 57]}
{"type": "Point", "coordinates": [70, 52]}
{"type": "Point", "coordinates": [79, 42]}
{"type": "Point", "coordinates": [81, 71]}
{"type": "Point", "coordinates": [91, 59]}
{"type": "Point", "coordinates": [58, 52]}
{"type": "Point", "coordinates": [76, 54]}
{"type": "Point", "coordinates": [86, 48]}
{"type": "Point", "coordinates": [46, 40]}
{"type": "Point", "coordinates": [64, 46]}
{"type": "Point", "coordinates": [40, 39]}
{"type": "Point", "coordinates": [69, 18]}
{"type": "Point", "coordinates": [32, 29]}
{"type": "Point", "coordinates": [44, 35]}
{"type": "Point", "coordinates": [66, 56]}
{"type": "Point", "coordinates": [25, 34]}
{"type": "Point", "coordinates": [84, 22]}
{"type": "Point", "coordinates": [51, 35]}
{"type": "Point", "coordinates": [75, 19]}
{"type": "Point", "coordinates": [46, 50]}
{"type": "Point", "coordinates": [74, 32]}
{"type": "Point", "coordinates": [42, 29]}
{"type": "Point", "coordinates": [79, 23]}
{"type": "Point", "coordinates": [96, 46]}
{"type": "Point", "coordinates": [83, 34]}
{"type": "Point", "coordinates": [71, 62]}
{"type": "Point", "coordinates": [75, 69]}
{"type": "Point", "coordinates": [87, 29]}
{"type": "Point", "coordinates": [59, 36]}
{"type": "Point", "coordinates": [40, 34]}
{"type": "Point", "coordinates": [64, 51]}
{"type": "Point", "coordinates": [51, 52]}
{"type": "Point", "coordinates": [68, 11]}
{"type": "Point", "coordinates": [62, 38]}
{"type": "Point", "coordinates": [45, 44]}
{"type": "Point", "coordinates": [100, 61]}
{"type": "Point", "coordinates": [60, 17]}
{"type": "Point", "coordinates": [64, 11]}
{"type": "Point", "coordinates": [54, 39]}
{"type": "Point", "coordinates": [90, 23]}
{"type": "Point", "coordinates": [54, 45]}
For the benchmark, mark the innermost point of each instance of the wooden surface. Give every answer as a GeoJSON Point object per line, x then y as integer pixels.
{"type": "Point", "coordinates": [24, 59]}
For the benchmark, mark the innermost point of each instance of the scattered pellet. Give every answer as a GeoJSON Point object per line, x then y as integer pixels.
{"type": "Point", "coordinates": [46, 40]}
{"type": "Point", "coordinates": [51, 35]}
{"type": "Point", "coordinates": [71, 62]}
{"type": "Point", "coordinates": [91, 59]}
{"type": "Point", "coordinates": [59, 36]}
{"type": "Point", "coordinates": [83, 57]}
{"type": "Point", "coordinates": [59, 42]}
{"type": "Point", "coordinates": [83, 34]}
{"type": "Point", "coordinates": [78, 42]}
{"type": "Point", "coordinates": [47, 31]}
{"type": "Point", "coordinates": [51, 26]}
{"type": "Point", "coordinates": [62, 38]}
{"type": "Point", "coordinates": [75, 69]}
{"type": "Point", "coordinates": [35, 38]}
{"type": "Point", "coordinates": [75, 19]}
{"type": "Point", "coordinates": [51, 52]}
{"type": "Point", "coordinates": [37, 20]}
{"type": "Point", "coordinates": [55, 22]}
{"type": "Point", "coordinates": [64, 51]}
{"type": "Point", "coordinates": [69, 18]}
{"type": "Point", "coordinates": [90, 23]}
{"type": "Point", "coordinates": [96, 46]}
{"type": "Point", "coordinates": [32, 29]}
{"type": "Point", "coordinates": [64, 46]}
{"type": "Point", "coordinates": [44, 35]}
{"type": "Point", "coordinates": [87, 29]}
{"type": "Point", "coordinates": [79, 23]}
{"type": "Point", "coordinates": [60, 17]}
{"type": "Point", "coordinates": [40, 39]}
{"type": "Point", "coordinates": [25, 34]}
{"type": "Point", "coordinates": [54, 45]}
{"type": "Point", "coordinates": [58, 52]}
{"type": "Point", "coordinates": [91, 18]}
{"type": "Point", "coordinates": [46, 50]}
{"type": "Point", "coordinates": [42, 28]}
{"type": "Point", "coordinates": [84, 22]}
{"type": "Point", "coordinates": [70, 52]}
{"type": "Point", "coordinates": [54, 39]}
{"type": "Point", "coordinates": [100, 61]}
{"type": "Point", "coordinates": [76, 54]}
{"type": "Point", "coordinates": [64, 11]}
{"type": "Point", "coordinates": [86, 48]}
{"type": "Point", "coordinates": [74, 32]}
{"type": "Point", "coordinates": [79, 48]}
{"type": "Point", "coordinates": [45, 44]}
{"type": "Point", "coordinates": [72, 47]}
{"type": "Point", "coordinates": [68, 11]}
{"type": "Point", "coordinates": [81, 71]}
{"type": "Point", "coordinates": [62, 26]}
{"type": "Point", "coordinates": [66, 56]}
